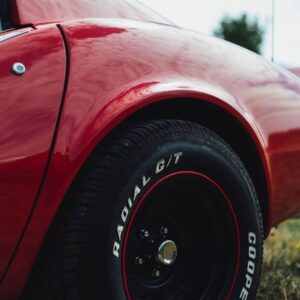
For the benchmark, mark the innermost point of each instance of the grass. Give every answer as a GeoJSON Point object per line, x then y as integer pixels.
{"type": "Point", "coordinates": [281, 268]}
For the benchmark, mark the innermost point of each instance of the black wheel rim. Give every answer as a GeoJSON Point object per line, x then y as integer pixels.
{"type": "Point", "coordinates": [182, 241]}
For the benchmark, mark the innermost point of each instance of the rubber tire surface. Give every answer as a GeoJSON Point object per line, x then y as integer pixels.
{"type": "Point", "coordinates": [77, 260]}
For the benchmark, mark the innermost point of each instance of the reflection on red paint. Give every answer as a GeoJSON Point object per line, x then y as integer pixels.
{"type": "Point", "coordinates": [28, 113]}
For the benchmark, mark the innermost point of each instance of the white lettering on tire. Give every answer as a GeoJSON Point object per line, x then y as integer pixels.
{"type": "Point", "coordinates": [250, 266]}
{"type": "Point", "coordinates": [116, 249]}
{"type": "Point", "coordinates": [160, 166]}
{"type": "Point", "coordinates": [177, 157]}
{"type": "Point", "coordinates": [124, 214]}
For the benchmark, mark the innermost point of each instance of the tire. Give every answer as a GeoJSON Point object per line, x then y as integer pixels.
{"type": "Point", "coordinates": [164, 210]}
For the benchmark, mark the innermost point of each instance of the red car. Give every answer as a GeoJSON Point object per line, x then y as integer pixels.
{"type": "Point", "coordinates": [138, 160]}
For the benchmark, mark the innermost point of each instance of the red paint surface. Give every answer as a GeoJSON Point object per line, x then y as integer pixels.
{"type": "Point", "coordinates": [296, 71]}
{"type": "Point", "coordinates": [45, 11]}
{"type": "Point", "coordinates": [118, 66]}
{"type": "Point", "coordinates": [122, 72]}
{"type": "Point", "coordinates": [28, 113]}
{"type": "Point", "coordinates": [212, 182]}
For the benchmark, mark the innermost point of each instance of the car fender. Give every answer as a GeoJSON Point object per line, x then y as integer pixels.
{"type": "Point", "coordinates": [117, 67]}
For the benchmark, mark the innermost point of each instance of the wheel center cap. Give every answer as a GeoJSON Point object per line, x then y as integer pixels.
{"type": "Point", "coordinates": [167, 252]}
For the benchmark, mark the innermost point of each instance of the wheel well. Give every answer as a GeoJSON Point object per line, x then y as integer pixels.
{"type": "Point", "coordinates": [221, 122]}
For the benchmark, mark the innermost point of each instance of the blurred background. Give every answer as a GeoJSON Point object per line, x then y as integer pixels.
{"type": "Point", "coordinates": [278, 22]}
{"type": "Point", "coordinates": [272, 29]}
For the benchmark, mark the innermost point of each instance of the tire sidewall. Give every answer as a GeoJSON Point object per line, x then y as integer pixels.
{"type": "Point", "coordinates": [186, 154]}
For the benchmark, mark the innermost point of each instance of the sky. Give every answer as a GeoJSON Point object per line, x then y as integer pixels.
{"type": "Point", "coordinates": [205, 15]}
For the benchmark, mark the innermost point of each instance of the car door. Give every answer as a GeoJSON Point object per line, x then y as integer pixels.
{"type": "Point", "coordinates": [32, 77]}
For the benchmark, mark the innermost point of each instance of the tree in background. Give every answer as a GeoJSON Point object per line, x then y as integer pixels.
{"type": "Point", "coordinates": [241, 31]}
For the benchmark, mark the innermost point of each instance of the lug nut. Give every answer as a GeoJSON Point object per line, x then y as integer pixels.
{"type": "Point", "coordinates": [156, 273]}
{"type": "Point", "coordinates": [148, 256]}
{"type": "Point", "coordinates": [145, 233]}
{"type": "Point", "coordinates": [164, 230]}
{"type": "Point", "coordinates": [139, 261]}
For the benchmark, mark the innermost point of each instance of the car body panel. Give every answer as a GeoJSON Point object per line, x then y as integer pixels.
{"type": "Point", "coordinates": [45, 11]}
{"type": "Point", "coordinates": [119, 66]}
{"type": "Point", "coordinates": [129, 69]}
{"type": "Point", "coordinates": [296, 71]}
{"type": "Point", "coordinates": [28, 114]}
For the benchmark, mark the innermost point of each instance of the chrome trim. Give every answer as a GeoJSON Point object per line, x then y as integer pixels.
{"type": "Point", "coordinates": [8, 36]}
{"type": "Point", "coordinates": [18, 68]}
{"type": "Point", "coordinates": [167, 253]}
